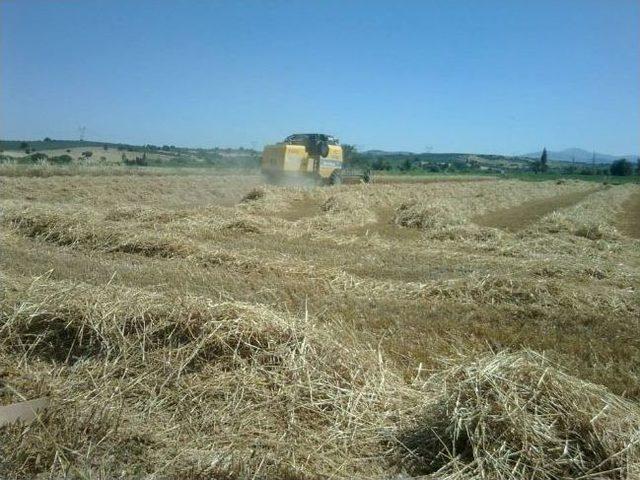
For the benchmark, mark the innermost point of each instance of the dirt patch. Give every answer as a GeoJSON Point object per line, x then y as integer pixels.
{"type": "Point", "coordinates": [385, 227]}
{"type": "Point", "coordinates": [303, 208]}
{"type": "Point", "coordinates": [519, 217]}
{"type": "Point", "coordinates": [629, 218]}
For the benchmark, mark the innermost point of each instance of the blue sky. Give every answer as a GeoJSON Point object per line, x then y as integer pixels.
{"type": "Point", "coordinates": [487, 76]}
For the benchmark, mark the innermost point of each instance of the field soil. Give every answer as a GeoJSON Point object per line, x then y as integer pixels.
{"type": "Point", "coordinates": [213, 326]}
{"type": "Point", "coordinates": [629, 217]}
{"type": "Point", "coordinates": [521, 216]}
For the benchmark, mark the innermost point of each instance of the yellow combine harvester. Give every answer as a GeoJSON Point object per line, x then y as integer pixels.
{"type": "Point", "coordinates": [309, 155]}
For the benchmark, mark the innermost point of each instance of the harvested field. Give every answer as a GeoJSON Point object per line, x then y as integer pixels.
{"type": "Point", "coordinates": [305, 207]}
{"type": "Point", "coordinates": [629, 217]}
{"type": "Point", "coordinates": [519, 217]}
{"type": "Point", "coordinates": [212, 326]}
{"type": "Point", "coordinates": [393, 179]}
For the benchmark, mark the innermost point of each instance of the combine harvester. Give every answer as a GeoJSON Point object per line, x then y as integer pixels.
{"type": "Point", "coordinates": [313, 156]}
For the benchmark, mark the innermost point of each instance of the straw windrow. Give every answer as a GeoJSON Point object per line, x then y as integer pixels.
{"type": "Point", "coordinates": [360, 331]}
{"type": "Point", "coordinates": [137, 378]}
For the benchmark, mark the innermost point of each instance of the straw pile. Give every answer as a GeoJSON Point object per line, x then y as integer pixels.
{"type": "Point", "coordinates": [81, 228]}
{"type": "Point", "coordinates": [146, 384]}
{"type": "Point", "coordinates": [426, 216]}
{"type": "Point", "coordinates": [509, 416]}
{"type": "Point", "coordinates": [593, 218]}
{"type": "Point", "coordinates": [149, 380]}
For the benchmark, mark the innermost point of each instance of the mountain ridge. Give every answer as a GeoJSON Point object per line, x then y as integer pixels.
{"type": "Point", "coordinates": [579, 155]}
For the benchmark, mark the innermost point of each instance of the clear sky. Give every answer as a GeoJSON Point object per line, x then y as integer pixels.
{"type": "Point", "coordinates": [490, 76]}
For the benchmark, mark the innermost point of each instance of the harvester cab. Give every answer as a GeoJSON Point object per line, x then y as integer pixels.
{"type": "Point", "coordinates": [309, 155]}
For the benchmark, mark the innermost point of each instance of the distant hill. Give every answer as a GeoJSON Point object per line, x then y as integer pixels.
{"type": "Point", "coordinates": [579, 155]}
{"type": "Point", "coordinates": [107, 153]}
{"type": "Point", "coordinates": [52, 144]}
{"type": "Point", "coordinates": [39, 145]}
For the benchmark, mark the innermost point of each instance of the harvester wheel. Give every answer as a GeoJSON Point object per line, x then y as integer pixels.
{"type": "Point", "coordinates": [335, 178]}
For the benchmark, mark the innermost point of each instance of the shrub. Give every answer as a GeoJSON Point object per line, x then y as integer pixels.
{"type": "Point", "coordinates": [139, 161]}
{"type": "Point", "coordinates": [26, 160]}
{"type": "Point", "coordinates": [61, 159]}
{"type": "Point", "coordinates": [406, 165]}
{"type": "Point", "coordinates": [87, 154]}
{"type": "Point", "coordinates": [36, 157]}
{"type": "Point", "coordinates": [380, 164]}
{"type": "Point", "coordinates": [621, 168]}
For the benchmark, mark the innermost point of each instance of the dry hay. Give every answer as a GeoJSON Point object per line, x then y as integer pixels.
{"type": "Point", "coordinates": [171, 385]}
{"type": "Point", "coordinates": [592, 218]}
{"type": "Point", "coordinates": [426, 216]}
{"type": "Point", "coordinates": [145, 214]}
{"type": "Point", "coordinates": [340, 203]}
{"type": "Point", "coordinates": [511, 416]}
{"type": "Point", "coordinates": [80, 228]}
{"type": "Point", "coordinates": [145, 384]}
{"type": "Point", "coordinates": [150, 187]}
{"type": "Point", "coordinates": [559, 222]}
{"type": "Point", "coordinates": [254, 194]}
{"type": "Point", "coordinates": [275, 201]}
{"type": "Point", "coordinates": [469, 233]}
{"type": "Point", "coordinates": [242, 225]}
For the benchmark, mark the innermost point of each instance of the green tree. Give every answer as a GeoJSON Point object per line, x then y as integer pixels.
{"type": "Point", "coordinates": [621, 168]}
{"type": "Point", "coordinates": [406, 165]}
{"type": "Point", "coordinates": [638, 166]}
{"type": "Point", "coordinates": [544, 165]}
{"type": "Point", "coordinates": [535, 166]}
{"type": "Point", "coordinates": [380, 164]}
